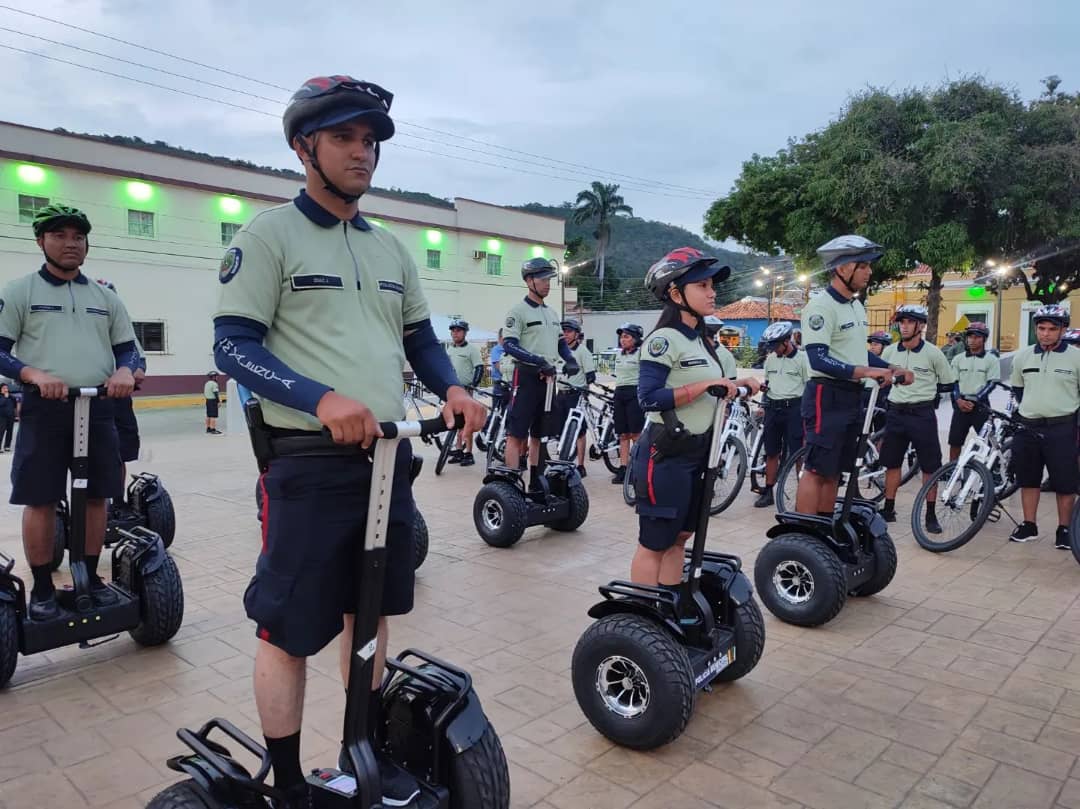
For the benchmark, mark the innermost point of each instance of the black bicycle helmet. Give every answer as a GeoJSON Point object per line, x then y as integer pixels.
{"type": "Point", "coordinates": [979, 328]}
{"type": "Point", "coordinates": [571, 325]}
{"type": "Point", "coordinates": [458, 323]}
{"type": "Point", "coordinates": [633, 329]}
{"type": "Point", "coordinates": [882, 337]}
{"type": "Point", "coordinates": [539, 268]}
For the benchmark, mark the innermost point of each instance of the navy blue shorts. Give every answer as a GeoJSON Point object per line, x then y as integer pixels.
{"type": "Point", "coordinates": [211, 408]}
{"type": "Point", "coordinates": [962, 422]}
{"type": "Point", "coordinates": [629, 417]}
{"type": "Point", "coordinates": [667, 494]}
{"type": "Point", "coordinates": [917, 428]}
{"type": "Point", "coordinates": [127, 429]}
{"type": "Point", "coordinates": [45, 444]}
{"type": "Point", "coordinates": [1056, 451]}
{"type": "Point", "coordinates": [783, 428]}
{"type": "Point", "coordinates": [832, 418]}
{"type": "Point", "coordinates": [526, 415]}
{"type": "Point", "coordinates": [314, 513]}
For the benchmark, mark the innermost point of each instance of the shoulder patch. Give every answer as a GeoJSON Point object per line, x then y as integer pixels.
{"type": "Point", "coordinates": [230, 264]}
{"type": "Point", "coordinates": [511, 321]}
{"type": "Point", "coordinates": [658, 346]}
{"type": "Point", "coordinates": [816, 322]}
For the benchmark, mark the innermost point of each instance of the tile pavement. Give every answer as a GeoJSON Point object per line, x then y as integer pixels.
{"type": "Point", "coordinates": [958, 686]}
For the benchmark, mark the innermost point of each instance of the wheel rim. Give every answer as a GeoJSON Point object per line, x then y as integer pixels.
{"type": "Point", "coordinates": [623, 686]}
{"type": "Point", "coordinates": [793, 581]}
{"type": "Point", "coordinates": [492, 514]}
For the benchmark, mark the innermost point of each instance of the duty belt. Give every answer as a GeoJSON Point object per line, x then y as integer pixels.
{"type": "Point", "coordinates": [1048, 422]}
{"type": "Point", "coordinates": [911, 405]}
{"type": "Point", "coordinates": [792, 401]}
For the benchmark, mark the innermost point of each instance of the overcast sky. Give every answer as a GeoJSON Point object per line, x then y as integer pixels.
{"type": "Point", "coordinates": [644, 94]}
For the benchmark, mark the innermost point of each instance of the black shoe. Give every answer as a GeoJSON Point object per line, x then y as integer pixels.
{"type": "Point", "coordinates": [888, 514]}
{"type": "Point", "coordinates": [765, 499]}
{"type": "Point", "coordinates": [932, 525]}
{"type": "Point", "coordinates": [102, 595]}
{"type": "Point", "coordinates": [297, 796]}
{"type": "Point", "coordinates": [1025, 532]}
{"type": "Point", "coordinates": [455, 456]}
{"type": "Point", "coordinates": [1063, 542]}
{"type": "Point", "coordinates": [398, 787]}
{"type": "Point", "coordinates": [215, 432]}
{"type": "Point", "coordinates": [619, 476]}
{"type": "Point", "coordinates": [581, 472]}
{"type": "Point", "coordinates": [468, 460]}
{"type": "Point", "coordinates": [44, 609]}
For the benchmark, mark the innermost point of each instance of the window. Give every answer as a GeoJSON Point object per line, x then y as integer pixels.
{"type": "Point", "coordinates": [434, 259]}
{"type": "Point", "coordinates": [141, 223]}
{"type": "Point", "coordinates": [151, 335]}
{"type": "Point", "coordinates": [228, 230]}
{"type": "Point", "coordinates": [494, 264]}
{"type": "Point", "coordinates": [29, 206]}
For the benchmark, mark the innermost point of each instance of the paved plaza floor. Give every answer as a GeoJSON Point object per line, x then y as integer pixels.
{"type": "Point", "coordinates": [957, 686]}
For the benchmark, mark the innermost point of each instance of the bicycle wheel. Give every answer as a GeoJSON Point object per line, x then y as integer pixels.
{"type": "Point", "coordinates": [449, 440]}
{"type": "Point", "coordinates": [610, 457]}
{"type": "Point", "coordinates": [757, 465]}
{"type": "Point", "coordinates": [909, 467]}
{"type": "Point", "coordinates": [964, 501]}
{"type": "Point", "coordinates": [1074, 531]}
{"type": "Point", "coordinates": [787, 480]}
{"type": "Point", "coordinates": [729, 479]}
{"type": "Point", "coordinates": [871, 476]}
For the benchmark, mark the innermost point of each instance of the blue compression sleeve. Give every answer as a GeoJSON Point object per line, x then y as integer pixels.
{"type": "Point", "coordinates": [590, 377]}
{"type": "Point", "coordinates": [478, 374]}
{"type": "Point", "coordinates": [1018, 394]}
{"type": "Point", "coordinates": [566, 353]}
{"type": "Point", "coordinates": [10, 365]}
{"type": "Point", "coordinates": [514, 349]}
{"type": "Point", "coordinates": [127, 356]}
{"type": "Point", "coordinates": [428, 359]}
{"type": "Point", "coordinates": [652, 390]}
{"type": "Point", "coordinates": [874, 361]}
{"type": "Point", "coordinates": [820, 361]}
{"type": "Point", "coordinates": [240, 353]}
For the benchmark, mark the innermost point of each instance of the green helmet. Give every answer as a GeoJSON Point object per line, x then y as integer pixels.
{"type": "Point", "coordinates": [55, 216]}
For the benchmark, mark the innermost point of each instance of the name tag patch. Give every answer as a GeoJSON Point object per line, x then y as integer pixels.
{"type": "Point", "coordinates": [315, 281]}
{"type": "Point", "coordinates": [392, 286]}
{"type": "Point", "coordinates": [847, 326]}
{"type": "Point", "coordinates": [91, 310]}
{"type": "Point", "coordinates": [694, 362]}
{"type": "Point", "coordinates": [45, 307]}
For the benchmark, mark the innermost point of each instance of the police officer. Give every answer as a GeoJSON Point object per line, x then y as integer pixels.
{"type": "Point", "coordinates": [1046, 381]}
{"type": "Point", "coordinates": [678, 367]}
{"type": "Point", "coordinates": [532, 336]}
{"type": "Point", "coordinates": [912, 414]}
{"type": "Point", "coordinates": [834, 330]}
{"type": "Point", "coordinates": [469, 368]}
{"type": "Point", "coordinates": [973, 369]}
{"type": "Point", "coordinates": [875, 344]}
{"type": "Point", "coordinates": [212, 393]}
{"type": "Point", "coordinates": [586, 375]}
{"type": "Point", "coordinates": [786, 373]}
{"type": "Point", "coordinates": [713, 324]}
{"type": "Point", "coordinates": [68, 333]}
{"type": "Point", "coordinates": [629, 417]}
{"type": "Point", "coordinates": [127, 426]}
{"type": "Point", "coordinates": [878, 342]}
{"type": "Point", "coordinates": [318, 312]}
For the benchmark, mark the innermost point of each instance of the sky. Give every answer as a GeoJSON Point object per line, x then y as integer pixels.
{"type": "Point", "coordinates": [530, 102]}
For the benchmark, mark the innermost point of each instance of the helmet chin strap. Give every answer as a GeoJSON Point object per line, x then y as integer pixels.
{"type": "Point", "coordinates": [309, 150]}
{"type": "Point", "coordinates": [48, 260]}
{"type": "Point", "coordinates": [846, 281]}
{"type": "Point", "coordinates": [684, 307]}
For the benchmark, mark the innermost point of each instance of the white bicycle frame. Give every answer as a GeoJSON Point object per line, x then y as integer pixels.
{"type": "Point", "coordinates": [983, 447]}
{"type": "Point", "coordinates": [736, 428]}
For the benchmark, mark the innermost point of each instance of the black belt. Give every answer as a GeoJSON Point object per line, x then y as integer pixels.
{"type": "Point", "coordinates": [912, 405]}
{"type": "Point", "coordinates": [842, 384]}
{"type": "Point", "coordinates": [1050, 422]}
{"type": "Point", "coordinates": [309, 443]}
{"type": "Point", "coordinates": [783, 403]}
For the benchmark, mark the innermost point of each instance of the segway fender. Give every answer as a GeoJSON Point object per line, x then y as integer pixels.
{"type": "Point", "coordinates": [870, 521]}
{"type": "Point", "coordinates": [467, 728]}
{"type": "Point", "coordinates": [820, 527]}
{"type": "Point", "coordinates": [504, 474]}
{"type": "Point", "coordinates": [735, 582]}
{"type": "Point", "coordinates": [154, 556]}
{"type": "Point", "coordinates": [150, 489]}
{"type": "Point", "coordinates": [620, 606]}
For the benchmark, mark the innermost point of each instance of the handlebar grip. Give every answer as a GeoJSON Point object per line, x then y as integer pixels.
{"type": "Point", "coordinates": [430, 426]}
{"type": "Point", "coordinates": [99, 392]}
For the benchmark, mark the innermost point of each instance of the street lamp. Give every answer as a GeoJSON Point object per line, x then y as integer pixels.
{"type": "Point", "coordinates": [1000, 272]}
{"type": "Point", "coordinates": [774, 280]}
{"type": "Point", "coordinates": [563, 272]}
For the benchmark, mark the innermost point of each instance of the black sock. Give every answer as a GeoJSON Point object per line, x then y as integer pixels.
{"type": "Point", "coordinates": [890, 505]}
{"type": "Point", "coordinates": [285, 756]}
{"type": "Point", "coordinates": [931, 513]}
{"type": "Point", "coordinates": [825, 514]}
{"type": "Point", "coordinates": [43, 586]}
{"type": "Point", "coordinates": [91, 565]}
{"type": "Point", "coordinates": [766, 488]}
{"type": "Point", "coordinates": [534, 477]}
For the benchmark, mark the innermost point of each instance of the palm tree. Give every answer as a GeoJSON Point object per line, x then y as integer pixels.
{"type": "Point", "coordinates": [601, 204]}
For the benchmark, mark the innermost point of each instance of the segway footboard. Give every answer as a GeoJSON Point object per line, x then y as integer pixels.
{"type": "Point", "coordinates": [212, 767]}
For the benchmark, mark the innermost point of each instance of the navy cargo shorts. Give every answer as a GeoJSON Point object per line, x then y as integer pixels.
{"type": "Point", "coordinates": [667, 493]}
{"type": "Point", "coordinates": [127, 429]}
{"type": "Point", "coordinates": [1050, 445]}
{"type": "Point", "coordinates": [629, 417]}
{"type": "Point", "coordinates": [783, 427]}
{"type": "Point", "coordinates": [526, 415]}
{"type": "Point", "coordinates": [832, 414]}
{"type": "Point", "coordinates": [313, 520]}
{"type": "Point", "coordinates": [915, 425]}
{"type": "Point", "coordinates": [45, 444]}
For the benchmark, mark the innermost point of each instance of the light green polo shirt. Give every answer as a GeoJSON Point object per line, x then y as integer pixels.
{"type": "Point", "coordinates": [211, 390]}
{"type": "Point", "coordinates": [841, 325]}
{"type": "Point", "coordinates": [335, 298]}
{"type": "Point", "coordinates": [786, 376]}
{"type": "Point", "coordinates": [973, 371]}
{"type": "Point", "coordinates": [727, 361]}
{"type": "Point", "coordinates": [1050, 379]}
{"type": "Point", "coordinates": [585, 362]}
{"type": "Point", "coordinates": [687, 361]}
{"type": "Point", "coordinates": [536, 327]}
{"type": "Point", "coordinates": [627, 367]}
{"type": "Point", "coordinates": [506, 368]}
{"type": "Point", "coordinates": [464, 358]}
{"type": "Point", "coordinates": [929, 366]}
{"type": "Point", "coordinates": [65, 328]}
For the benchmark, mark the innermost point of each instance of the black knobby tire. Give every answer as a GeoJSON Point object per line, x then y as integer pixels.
{"type": "Point", "coordinates": [884, 567]}
{"type": "Point", "coordinates": [661, 661]}
{"type": "Point", "coordinates": [161, 516]}
{"type": "Point", "coordinates": [567, 447]}
{"type": "Point", "coordinates": [480, 776]}
{"type": "Point", "coordinates": [60, 540]}
{"type": "Point", "coordinates": [448, 445]}
{"type": "Point", "coordinates": [500, 514]}
{"type": "Point", "coordinates": [420, 540]}
{"type": "Point", "coordinates": [787, 480]}
{"type": "Point", "coordinates": [579, 510]}
{"type": "Point", "coordinates": [629, 495]}
{"type": "Point", "coordinates": [749, 642]}
{"type": "Point", "coordinates": [727, 488]}
{"type": "Point", "coordinates": [1009, 483]}
{"type": "Point", "coordinates": [182, 795]}
{"type": "Point", "coordinates": [1074, 531]}
{"type": "Point", "coordinates": [800, 554]}
{"type": "Point", "coordinates": [9, 641]}
{"type": "Point", "coordinates": [985, 504]}
{"type": "Point", "coordinates": [161, 605]}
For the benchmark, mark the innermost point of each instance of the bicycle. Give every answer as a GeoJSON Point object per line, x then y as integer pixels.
{"type": "Point", "coordinates": [599, 424]}
{"type": "Point", "coordinates": [738, 430]}
{"type": "Point", "coordinates": [492, 439]}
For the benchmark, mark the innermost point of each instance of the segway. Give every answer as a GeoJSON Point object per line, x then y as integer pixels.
{"type": "Point", "coordinates": [811, 564]}
{"type": "Point", "coordinates": [504, 507]}
{"type": "Point", "coordinates": [637, 670]}
{"type": "Point", "coordinates": [146, 503]}
{"type": "Point", "coordinates": [431, 722]}
{"type": "Point", "coordinates": [145, 580]}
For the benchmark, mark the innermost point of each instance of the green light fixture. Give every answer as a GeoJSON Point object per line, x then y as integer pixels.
{"type": "Point", "coordinates": [537, 251]}
{"type": "Point", "coordinates": [30, 174]}
{"type": "Point", "coordinates": [139, 191]}
{"type": "Point", "coordinates": [494, 246]}
{"type": "Point", "coordinates": [434, 237]}
{"type": "Point", "coordinates": [230, 206]}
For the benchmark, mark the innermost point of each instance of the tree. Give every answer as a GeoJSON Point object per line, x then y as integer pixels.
{"type": "Point", "coordinates": [601, 204]}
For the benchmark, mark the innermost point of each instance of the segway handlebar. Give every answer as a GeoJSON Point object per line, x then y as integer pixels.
{"type": "Point", "coordinates": [100, 392]}
{"type": "Point", "coordinates": [419, 429]}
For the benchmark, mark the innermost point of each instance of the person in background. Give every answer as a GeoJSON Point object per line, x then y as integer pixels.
{"type": "Point", "coordinates": [211, 392]}
{"type": "Point", "coordinates": [497, 384]}
{"type": "Point", "coordinates": [7, 417]}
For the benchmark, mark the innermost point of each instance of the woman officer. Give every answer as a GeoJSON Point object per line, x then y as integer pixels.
{"type": "Point", "coordinates": [678, 366]}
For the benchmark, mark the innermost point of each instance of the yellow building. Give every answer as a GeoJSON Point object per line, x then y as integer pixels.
{"type": "Point", "coordinates": [961, 298]}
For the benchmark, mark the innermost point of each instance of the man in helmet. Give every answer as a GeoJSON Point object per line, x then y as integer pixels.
{"type": "Point", "coordinates": [973, 369]}
{"type": "Point", "coordinates": [834, 328]}
{"type": "Point", "coordinates": [585, 376]}
{"type": "Point", "coordinates": [629, 417]}
{"type": "Point", "coordinates": [878, 342]}
{"type": "Point", "coordinates": [469, 369]}
{"type": "Point", "coordinates": [912, 415]}
{"type": "Point", "coordinates": [713, 324]}
{"type": "Point", "coordinates": [212, 395]}
{"type": "Point", "coordinates": [1046, 381]}
{"type": "Point", "coordinates": [532, 336]}
{"type": "Point", "coordinates": [786, 373]}
{"type": "Point", "coordinates": [59, 331]}
{"type": "Point", "coordinates": [317, 314]}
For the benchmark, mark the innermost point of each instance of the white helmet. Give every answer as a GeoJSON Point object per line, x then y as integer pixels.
{"type": "Point", "coordinates": [846, 249]}
{"type": "Point", "coordinates": [713, 324]}
{"type": "Point", "coordinates": [777, 332]}
{"type": "Point", "coordinates": [913, 311]}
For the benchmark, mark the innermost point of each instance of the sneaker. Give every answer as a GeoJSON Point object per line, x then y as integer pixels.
{"type": "Point", "coordinates": [467, 459]}
{"type": "Point", "coordinates": [932, 525]}
{"type": "Point", "coordinates": [1063, 542]}
{"type": "Point", "coordinates": [765, 499]}
{"type": "Point", "coordinates": [44, 609]}
{"type": "Point", "coordinates": [619, 476]}
{"type": "Point", "coordinates": [297, 796]}
{"type": "Point", "coordinates": [398, 787]}
{"type": "Point", "coordinates": [215, 432]}
{"type": "Point", "coordinates": [209, 431]}
{"type": "Point", "coordinates": [1025, 532]}
{"type": "Point", "coordinates": [102, 595]}
{"type": "Point", "coordinates": [581, 471]}
{"type": "Point", "coordinates": [888, 514]}
{"type": "Point", "coordinates": [455, 456]}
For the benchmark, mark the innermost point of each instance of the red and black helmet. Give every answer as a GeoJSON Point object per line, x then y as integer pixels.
{"type": "Point", "coordinates": [683, 265]}
{"type": "Point", "coordinates": [325, 101]}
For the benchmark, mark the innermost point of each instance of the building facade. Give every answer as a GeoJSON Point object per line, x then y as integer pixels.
{"type": "Point", "coordinates": [161, 224]}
